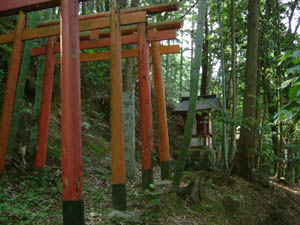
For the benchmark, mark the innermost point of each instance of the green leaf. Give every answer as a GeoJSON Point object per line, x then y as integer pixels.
{"type": "Point", "coordinates": [293, 91]}
{"type": "Point", "coordinates": [289, 115]}
{"type": "Point", "coordinates": [296, 54]}
{"type": "Point", "coordinates": [291, 105]}
{"type": "Point", "coordinates": [287, 82]}
{"type": "Point", "coordinates": [280, 115]}
{"type": "Point", "coordinates": [298, 97]}
{"type": "Point", "coordinates": [285, 56]}
{"type": "Point", "coordinates": [296, 117]}
{"type": "Point", "coordinates": [293, 69]}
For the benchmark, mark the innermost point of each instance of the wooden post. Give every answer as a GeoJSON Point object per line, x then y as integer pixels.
{"type": "Point", "coordinates": [72, 178]}
{"type": "Point", "coordinates": [10, 90]}
{"type": "Point", "coordinates": [116, 107]}
{"type": "Point", "coordinates": [162, 124]}
{"type": "Point", "coordinates": [145, 106]}
{"type": "Point", "coordinates": [40, 157]}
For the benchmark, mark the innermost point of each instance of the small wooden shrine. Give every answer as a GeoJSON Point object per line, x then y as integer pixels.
{"type": "Point", "coordinates": [202, 136]}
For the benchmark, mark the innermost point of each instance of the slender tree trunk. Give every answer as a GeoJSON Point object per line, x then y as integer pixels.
{"type": "Point", "coordinates": [279, 167]}
{"type": "Point", "coordinates": [192, 44]}
{"type": "Point", "coordinates": [270, 93]}
{"type": "Point", "coordinates": [180, 164]}
{"type": "Point", "coordinates": [203, 89]}
{"type": "Point", "coordinates": [242, 165]}
{"type": "Point", "coordinates": [167, 73]}
{"type": "Point", "coordinates": [291, 15]}
{"type": "Point", "coordinates": [297, 26]}
{"type": "Point", "coordinates": [224, 138]}
{"type": "Point", "coordinates": [129, 110]}
{"type": "Point", "coordinates": [258, 116]}
{"type": "Point", "coordinates": [181, 69]}
{"type": "Point", "coordinates": [265, 109]}
{"type": "Point", "coordinates": [232, 145]}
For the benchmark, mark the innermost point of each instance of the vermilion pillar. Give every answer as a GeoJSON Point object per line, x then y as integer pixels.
{"type": "Point", "coordinates": [10, 89]}
{"type": "Point", "coordinates": [40, 157]}
{"type": "Point", "coordinates": [162, 124]}
{"type": "Point", "coordinates": [72, 178]}
{"type": "Point", "coordinates": [145, 106]}
{"type": "Point", "coordinates": [116, 107]}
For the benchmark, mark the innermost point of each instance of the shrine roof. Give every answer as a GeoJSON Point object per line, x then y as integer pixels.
{"type": "Point", "coordinates": [204, 102]}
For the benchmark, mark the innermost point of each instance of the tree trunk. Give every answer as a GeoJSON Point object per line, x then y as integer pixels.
{"type": "Point", "coordinates": [279, 163]}
{"type": "Point", "coordinates": [129, 110]}
{"type": "Point", "coordinates": [203, 89]}
{"type": "Point", "coordinates": [224, 137]}
{"type": "Point", "coordinates": [129, 116]}
{"type": "Point", "coordinates": [181, 69]}
{"type": "Point", "coordinates": [232, 145]}
{"type": "Point", "coordinates": [242, 164]}
{"type": "Point", "coordinates": [192, 44]}
{"type": "Point", "coordinates": [258, 116]}
{"type": "Point", "coordinates": [180, 164]}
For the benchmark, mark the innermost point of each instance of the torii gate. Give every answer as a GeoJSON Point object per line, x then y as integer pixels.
{"type": "Point", "coordinates": [70, 46]}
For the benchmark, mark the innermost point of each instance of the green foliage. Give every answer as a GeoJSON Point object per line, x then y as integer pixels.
{"type": "Point", "coordinates": [24, 70]}
{"type": "Point", "coordinates": [16, 203]}
{"type": "Point", "coordinates": [291, 110]}
{"type": "Point", "coordinates": [38, 95]}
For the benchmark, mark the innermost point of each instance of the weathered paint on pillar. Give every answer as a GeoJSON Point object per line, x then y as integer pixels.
{"type": "Point", "coordinates": [10, 89]}
{"type": "Point", "coordinates": [116, 107]}
{"type": "Point", "coordinates": [145, 106]}
{"type": "Point", "coordinates": [72, 178]}
{"type": "Point", "coordinates": [40, 157]}
{"type": "Point", "coordinates": [162, 124]}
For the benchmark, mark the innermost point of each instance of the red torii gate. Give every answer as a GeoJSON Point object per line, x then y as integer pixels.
{"type": "Point", "coordinates": [70, 91]}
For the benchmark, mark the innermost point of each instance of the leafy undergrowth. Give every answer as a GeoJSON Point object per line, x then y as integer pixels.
{"type": "Point", "coordinates": [210, 198]}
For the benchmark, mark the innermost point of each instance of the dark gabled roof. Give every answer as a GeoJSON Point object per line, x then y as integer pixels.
{"type": "Point", "coordinates": [204, 102]}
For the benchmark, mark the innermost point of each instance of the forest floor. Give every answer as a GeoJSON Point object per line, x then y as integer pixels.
{"type": "Point", "coordinates": [210, 198]}
{"type": "Point", "coordinates": [206, 198]}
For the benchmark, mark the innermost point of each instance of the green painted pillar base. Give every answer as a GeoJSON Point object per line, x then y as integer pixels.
{"type": "Point", "coordinates": [147, 177]}
{"type": "Point", "coordinates": [165, 170]}
{"type": "Point", "coordinates": [73, 212]}
{"type": "Point", "coordinates": [119, 196]}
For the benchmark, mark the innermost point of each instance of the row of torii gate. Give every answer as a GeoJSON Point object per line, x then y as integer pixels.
{"type": "Point", "coordinates": [75, 33]}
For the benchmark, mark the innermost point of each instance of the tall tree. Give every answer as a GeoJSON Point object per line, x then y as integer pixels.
{"type": "Point", "coordinates": [204, 79]}
{"type": "Point", "coordinates": [181, 68]}
{"type": "Point", "coordinates": [194, 86]}
{"type": "Point", "coordinates": [279, 163]}
{"type": "Point", "coordinates": [129, 109]}
{"type": "Point", "coordinates": [224, 137]}
{"type": "Point", "coordinates": [232, 145]}
{"type": "Point", "coordinates": [242, 165]}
